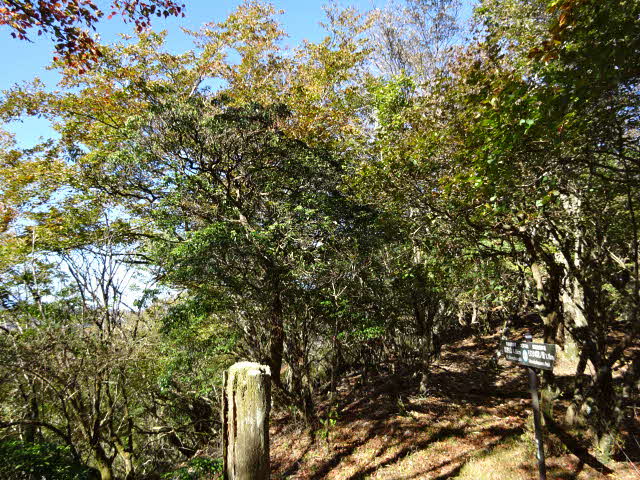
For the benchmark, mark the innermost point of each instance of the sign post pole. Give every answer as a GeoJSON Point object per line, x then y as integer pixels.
{"type": "Point", "coordinates": [533, 356]}
{"type": "Point", "coordinates": [535, 402]}
{"type": "Point", "coordinates": [533, 388]}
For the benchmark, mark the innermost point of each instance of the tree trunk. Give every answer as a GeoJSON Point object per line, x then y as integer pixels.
{"type": "Point", "coordinates": [424, 330]}
{"type": "Point", "coordinates": [276, 335]}
{"type": "Point", "coordinates": [127, 459]}
{"type": "Point", "coordinates": [33, 414]}
{"type": "Point", "coordinates": [246, 404]}
{"type": "Point", "coordinates": [103, 463]}
{"type": "Point", "coordinates": [548, 303]}
{"type": "Point", "coordinates": [631, 381]}
{"type": "Point", "coordinates": [301, 391]}
{"type": "Point", "coordinates": [606, 419]}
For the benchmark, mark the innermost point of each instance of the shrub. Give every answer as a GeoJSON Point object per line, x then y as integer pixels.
{"type": "Point", "coordinates": [49, 461]}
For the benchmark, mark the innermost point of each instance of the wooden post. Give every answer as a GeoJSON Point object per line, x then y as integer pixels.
{"type": "Point", "coordinates": [537, 424]}
{"type": "Point", "coordinates": [246, 403]}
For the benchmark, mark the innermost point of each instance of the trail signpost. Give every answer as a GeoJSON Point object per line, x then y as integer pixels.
{"type": "Point", "coordinates": [529, 354]}
{"type": "Point", "coordinates": [532, 355]}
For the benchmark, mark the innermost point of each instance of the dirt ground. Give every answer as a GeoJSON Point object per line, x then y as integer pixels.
{"type": "Point", "coordinates": [474, 423]}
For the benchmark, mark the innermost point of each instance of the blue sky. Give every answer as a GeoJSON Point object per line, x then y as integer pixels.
{"type": "Point", "coordinates": [23, 60]}
{"type": "Point", "coordinates": [301, 20]}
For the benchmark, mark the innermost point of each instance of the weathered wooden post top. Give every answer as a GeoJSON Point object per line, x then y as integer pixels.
{"type": "Point", "coordinates": [246, 403]}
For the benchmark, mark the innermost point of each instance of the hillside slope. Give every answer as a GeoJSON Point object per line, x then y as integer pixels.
{"type": "Point", "coordinates": [473, 424]}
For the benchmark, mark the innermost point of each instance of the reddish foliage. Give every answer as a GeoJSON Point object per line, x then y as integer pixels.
{"type": "Point", "coordinates": [64, 21]}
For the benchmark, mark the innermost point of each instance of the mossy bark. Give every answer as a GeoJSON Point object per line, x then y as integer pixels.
{"type": "Point", "coordinates": [103, 463]}
{"type": "Point", "coordinates": [245, 418]}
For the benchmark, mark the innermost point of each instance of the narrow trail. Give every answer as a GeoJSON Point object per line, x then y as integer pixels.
{"type": "Point", "coordinates": [472, 424]}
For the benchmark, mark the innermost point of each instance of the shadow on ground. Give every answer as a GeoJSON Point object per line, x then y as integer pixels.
{"type": "Point", "coordinates": [385, 430]}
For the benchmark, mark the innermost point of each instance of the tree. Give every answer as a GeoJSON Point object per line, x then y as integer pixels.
{"type": "Point", "coordinates": [414, 37]}
{"type": "Point", "coordinates": [72, 357]}
{"type": "Point", "coordinates": [86, 371]}
{"type": "Point", "coordinates": [518, 149]}
{"type": "Point", "coordinates": [235, 193]}
{"type": "Point", "coordinates": [578, 120]}
{"type": "Point", "coordinates": [64, 21]}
